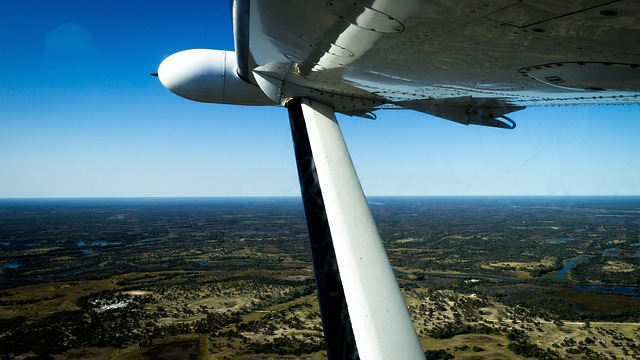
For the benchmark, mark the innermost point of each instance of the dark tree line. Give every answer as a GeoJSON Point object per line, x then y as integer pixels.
{"type": "Point", "coordinates": [287, 345]}
{"type": "Point", "coordinates": [549, 308]}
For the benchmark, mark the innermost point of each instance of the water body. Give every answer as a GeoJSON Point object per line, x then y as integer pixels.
{"type": "Point", "coordinates": [105, 243]}
{"type": "Point", "coordinates": [73, 273]}
{"type": "Point", "coordinates": [9, 266]}
{"type": "Point", "coordinates": [560, 240]}
{"type": "Point", "coordinates": [562, 274]}
{"type": "Point", "coordinates": [98, 243]}
{"type": "Point", "coordinates": [622, 290]}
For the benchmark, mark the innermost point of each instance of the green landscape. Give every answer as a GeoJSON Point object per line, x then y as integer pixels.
{"type": "Point", "coordinates": [231, 278]}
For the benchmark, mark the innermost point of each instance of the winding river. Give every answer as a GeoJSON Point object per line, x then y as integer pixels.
{"type": "Point", "coordinates": [613, 289]}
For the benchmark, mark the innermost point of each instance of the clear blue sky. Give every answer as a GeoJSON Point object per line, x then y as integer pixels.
{"type": "Point", "coordinates": [81, 117]}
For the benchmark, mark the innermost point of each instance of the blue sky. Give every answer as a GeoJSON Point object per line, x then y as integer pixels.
{"type": "Point", "coordinates": [81, 117]}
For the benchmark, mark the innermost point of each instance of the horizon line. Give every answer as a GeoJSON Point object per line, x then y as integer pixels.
{"type": "Point", "coordinates": [299, 197]}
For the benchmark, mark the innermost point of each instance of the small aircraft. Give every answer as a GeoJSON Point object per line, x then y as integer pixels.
{"type": "Point", "coordinates": [468, 61]}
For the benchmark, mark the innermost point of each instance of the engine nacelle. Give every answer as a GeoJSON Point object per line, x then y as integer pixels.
{"type": "Point", "coordinates": [209, 76]}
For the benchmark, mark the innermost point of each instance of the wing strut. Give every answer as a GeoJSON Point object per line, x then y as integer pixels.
{"type": "Point", "coordinates": [359, 296]}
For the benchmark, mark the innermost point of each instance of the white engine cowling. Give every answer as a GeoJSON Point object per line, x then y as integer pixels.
{"type": "Point", "coordinates": [209, 76]}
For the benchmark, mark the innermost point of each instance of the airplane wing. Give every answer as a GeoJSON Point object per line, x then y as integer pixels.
{"type": "Point", "coordinates": [468, 61]}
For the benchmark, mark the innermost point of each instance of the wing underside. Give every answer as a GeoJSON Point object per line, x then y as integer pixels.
{"type": "Point", "coordinates": [434, 56]}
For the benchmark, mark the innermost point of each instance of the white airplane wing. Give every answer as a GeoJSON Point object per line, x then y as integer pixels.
{"type": "Point", "coordinates": [468, 61]}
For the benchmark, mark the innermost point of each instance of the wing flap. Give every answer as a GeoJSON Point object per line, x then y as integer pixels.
{"type": "Point", "coordinates": [467, 111]}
